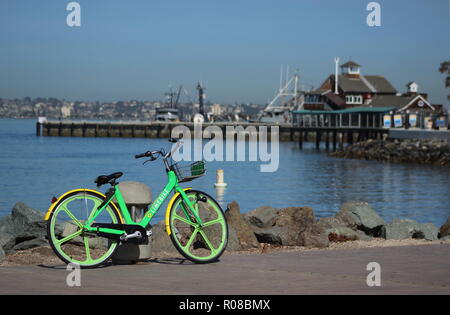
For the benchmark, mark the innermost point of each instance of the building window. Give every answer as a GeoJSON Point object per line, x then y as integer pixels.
{"type": "Point", "coordinates": [354, 99]}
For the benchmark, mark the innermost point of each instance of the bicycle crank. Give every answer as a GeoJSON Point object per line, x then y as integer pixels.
{"type": "Point", "coordinates": [133, 233]}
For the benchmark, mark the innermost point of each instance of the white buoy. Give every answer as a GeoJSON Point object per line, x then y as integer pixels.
{"type": "Point", "coordinates": [220, 179]}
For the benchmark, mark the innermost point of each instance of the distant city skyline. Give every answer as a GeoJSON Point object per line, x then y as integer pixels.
{"type": "Point", "coordinates": [135, 50]}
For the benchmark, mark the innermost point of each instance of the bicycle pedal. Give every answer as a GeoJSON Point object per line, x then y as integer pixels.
{"type": "Point", "coordinates": [125, 237]}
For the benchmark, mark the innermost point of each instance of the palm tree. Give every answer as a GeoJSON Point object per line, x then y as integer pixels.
{"type": "Point", "coordinates": [445, 69]}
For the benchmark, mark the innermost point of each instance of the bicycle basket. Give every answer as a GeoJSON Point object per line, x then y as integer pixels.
{"type": "Point", "coordinates": [189, 172]}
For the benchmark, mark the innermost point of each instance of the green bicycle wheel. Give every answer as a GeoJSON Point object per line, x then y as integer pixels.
{"type": "Point", "coordinates": [67, 237]}
{"type": "Point", "coordinates": [199, 243]}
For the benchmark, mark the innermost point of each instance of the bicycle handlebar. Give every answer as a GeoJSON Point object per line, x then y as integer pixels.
{"type": "Point", "coordinates": [152, 153]}
{"type": "Point", "coordinates": [147, 154]}
{"type": "Point", "coordinates": [138, 156]}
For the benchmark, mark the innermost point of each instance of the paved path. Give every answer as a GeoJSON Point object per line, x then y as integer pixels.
{"type": "Point", "coordinates": [404, 270]}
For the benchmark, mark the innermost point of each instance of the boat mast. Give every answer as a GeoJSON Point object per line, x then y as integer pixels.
{"type": "Point", "coordinates": [201, 97]}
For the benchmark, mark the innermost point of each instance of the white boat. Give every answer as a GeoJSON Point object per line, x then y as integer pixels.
{"type": "Point", "coordinates": [279, 110]}
{"type": "Point", "coordinates": [167, 114]}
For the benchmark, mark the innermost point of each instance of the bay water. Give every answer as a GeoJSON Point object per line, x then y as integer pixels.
{"type": "Point", "coordinates": [34, 169]}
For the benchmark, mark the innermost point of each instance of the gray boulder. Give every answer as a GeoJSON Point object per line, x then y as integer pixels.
{"type": "Point", "coordinates": [7, 241]}
{"type": "Point", "coordinates": [294, 226]}
{"type": "Point", "coordinates": [445, 229]}
{"type": "Point", "coordinates": [361, 216]}
{"type": "Point", "coordinates": [36, 242]}
{"type": "Point", "coordinates": [336, 229]}
{"type": "Point", "coordinates": [237, 224]}
{"type": "Point", "coordinates": [160, 242]}
{"type": "Point", "coordinates": [261, 217]}
{"type": "Point", "coordinates": [400, 229]}
{"type": "Point", "coordinates": [24, 215]}
{"type": "Point", "coordinates": [36, 229]}
{"type": "Point", "coordinates": [2, 255]}
{"type": "Point", "coordinates": [23, 219]}
{"type": "Point", "coordinates": [430, 231]}
{"type": "Point", "coordinates": [268, 235]}
{"type": "Point", "coordinates": [24, 224]}
{"type": "Point", "coordinates": [7, 225]}
{"type": "Point", "coordinates": [233, 240]}
{"type": "Point", "coordinates": [314, 236]}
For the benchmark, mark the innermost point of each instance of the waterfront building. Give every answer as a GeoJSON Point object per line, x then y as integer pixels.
{"type": "Point", "coordinates": [352, 89]}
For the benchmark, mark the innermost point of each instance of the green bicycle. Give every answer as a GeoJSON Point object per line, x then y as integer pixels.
{"type": "Point", "coordinates": [86, 227]}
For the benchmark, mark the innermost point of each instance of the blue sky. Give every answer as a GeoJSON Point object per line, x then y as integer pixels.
{"type": "Point", "coordinates": [136, 49]}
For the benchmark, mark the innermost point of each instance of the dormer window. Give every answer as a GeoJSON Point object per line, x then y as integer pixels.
{"type": "Point", "coordinates": [413, 87]}
{"type": "Point", "coordinates": [353, 70]}
{"type": "Point", "coordinates": [350, 68]}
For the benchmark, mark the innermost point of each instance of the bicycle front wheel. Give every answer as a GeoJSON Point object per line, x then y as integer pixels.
{"type": "Point", "coordinates": [70, 241]}
{"type": "Point", "coordinates": [200, 243]}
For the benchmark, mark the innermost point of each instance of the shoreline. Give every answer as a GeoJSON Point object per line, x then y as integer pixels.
{"type": "Point", "coordinates": [404, 151]}
{"type": "Point", "coordinates": [44, 255]}
{"type": "Point", "coordinates": [23, 235]}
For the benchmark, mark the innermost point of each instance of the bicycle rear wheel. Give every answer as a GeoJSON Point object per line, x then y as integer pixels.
{"type": "Point", "coordinates": [203, 243]}
{"type": "Point", "coordinates": [67, 237]}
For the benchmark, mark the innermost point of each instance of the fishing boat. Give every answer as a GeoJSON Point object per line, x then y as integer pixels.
{"type": "Point", "coordinates": [288, 98]}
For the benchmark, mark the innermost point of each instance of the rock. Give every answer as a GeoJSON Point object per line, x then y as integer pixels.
{"type": "Point", "coordinates": [160, 242]}
{"type": "Point", "coordinates": [268, 236]}
{"type": "Point", "coordinates": [36, 242]}
{"type": "Point", "coordinates": [400, 229]}
{"type": "Point", "coordinates": [233, 240]}
{"type": "Point", "coordinates": [261, 217]}
{"type": "Point", "coordinates": [24, 224]}
{"type": "Point", "coordinates": [339, 232]}
{"type": "Point", "coordinates": [314, 236]}
{"type": "Point", "coordinates": [244, 233]}
{"type": "Point", "coordinates": [36, 229]}
{"type": "Point", "coordinates": [2, 255]}
{"type": "Point", "coordinates": [23, 219]}
{"type": "Point", "coordinates": [430, 231]}
{"type": "Point", "coordinates": [294, 226]}
{"type": "Point", "coordinates": [445, 229]}
{"type": "Point", "coordinates": [7, 241]}
{"type": "Point", "coordinates": [360, 216]}
{"type": "Point", "coordinates": [7, 225]}
{"type": "Point", "coordinates": [399, 150]}
{"type": "Point", "coordinates": [24, 215]}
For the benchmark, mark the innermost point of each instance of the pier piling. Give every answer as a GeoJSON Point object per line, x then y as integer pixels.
{"type": "Point", "coordinates": [326, 132]}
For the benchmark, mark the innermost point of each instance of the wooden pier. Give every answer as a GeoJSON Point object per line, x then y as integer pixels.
{"type": "Point", "coordinates": [333, 136]}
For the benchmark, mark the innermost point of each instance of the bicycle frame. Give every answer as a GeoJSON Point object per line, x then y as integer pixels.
{"type": "Point", "coordinates": [172, 185]}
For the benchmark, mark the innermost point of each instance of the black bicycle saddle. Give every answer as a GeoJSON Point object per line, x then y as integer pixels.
{"type": "Point", "coordinates": [104, 179]}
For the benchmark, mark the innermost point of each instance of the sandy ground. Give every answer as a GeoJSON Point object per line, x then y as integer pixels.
{"type": "Point", "coordinates": [45, 255]}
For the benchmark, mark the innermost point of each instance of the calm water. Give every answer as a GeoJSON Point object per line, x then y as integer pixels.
{"type": "Point", "coordinates": [33, 169]}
